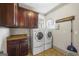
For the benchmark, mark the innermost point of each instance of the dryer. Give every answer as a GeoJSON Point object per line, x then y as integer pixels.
{"type": "Point", "coordinates": [48, 38]}
{"type": "Point", "coordinates": [37, 38]}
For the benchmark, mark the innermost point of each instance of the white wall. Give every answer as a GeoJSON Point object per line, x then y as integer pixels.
{"type": "Point", "coordinates": [62, 38]}
{"type": "Point", "coordinates": [4, 32]}
{"type": "Point", "coordinates": [41, 21]}
{"type": "Point", "coordinates": [14, 31]}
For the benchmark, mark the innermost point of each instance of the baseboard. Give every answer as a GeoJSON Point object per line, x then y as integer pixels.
{"type": "Point", "coordinates": [64, 52]}
{"type": "Point", "coordinates": [61, 51]}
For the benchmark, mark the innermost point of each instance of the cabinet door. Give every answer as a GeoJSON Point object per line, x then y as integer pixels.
{"type": "Point", "coordinates": [33, 20]}
{"type": "Point", "coordinates": [27, 18]}
{"type": "Point", "coordinates": [23, 47]}
{"type": "Point", "coordinates": [10, 19]}
{"type": "Point", "coordinates": [9, 14]}
{"type": "Point", "coordinates": [2, 14]}
{"type": "Point", "coordinates": [22, 17]}
{"type": "Point", "coordinates": [13, 48]}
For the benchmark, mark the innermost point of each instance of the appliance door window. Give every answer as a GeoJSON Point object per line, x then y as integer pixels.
{"type": "Point", "coordinates": [49, 34]}
{"type": "Point", "coordinates": [40, 35]}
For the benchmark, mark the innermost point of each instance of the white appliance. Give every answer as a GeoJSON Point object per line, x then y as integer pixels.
{"type": "Point", "coordinates": [37, 39]}
{"type": "Point", "coordinates": [48, 38]}
{"type": "Point", "coordinates": [50, 25]}
{"type": "Point", "coordinates": [39, 36]}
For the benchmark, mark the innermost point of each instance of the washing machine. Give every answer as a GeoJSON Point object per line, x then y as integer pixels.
{"type": "Point", "coordinates": [48, 38]}
{"type": "Point", "coordinates": [37, 41]}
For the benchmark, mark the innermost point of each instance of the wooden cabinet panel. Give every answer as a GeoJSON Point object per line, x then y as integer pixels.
{"type": "Point", "coordinates": [24, 47]}
{"type": "Point", "coordinates": [11, 15]}
{"type": "Point", "coordinates": [24, 50]}
{"type": "Point", "coordinates": [27, 18]}
{"type": "Point", "coordinates": [2, 13]}
{"type": "Point", "coordinates": [22, 17]}
{"type": "Point", "coordinates": [13, 50]}
{"type": "Point", "coordinates": [33, 20]}
{"type": "Point", "coordinates": [17, 47]}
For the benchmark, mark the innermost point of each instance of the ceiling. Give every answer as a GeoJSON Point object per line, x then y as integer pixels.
{"type": "Point", "coordinates": [40, 7]}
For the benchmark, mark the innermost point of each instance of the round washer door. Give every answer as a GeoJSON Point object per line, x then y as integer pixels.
{"type": "Point", "coordinates": [49, 34]}
{"type": "Point", "coordinates": [39, 36]}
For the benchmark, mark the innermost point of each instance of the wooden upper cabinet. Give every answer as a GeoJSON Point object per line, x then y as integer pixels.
{"type": "Point", "coordinates": [27, 18]}
{"type": "Point", "coordinates": [33, 19]}
{"type": "Point", "coordinates": [11, 15]}
{"type": "Point", "coordinates": [23, 17]}
{"type": "Point", "coordinates": [2, 13]}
